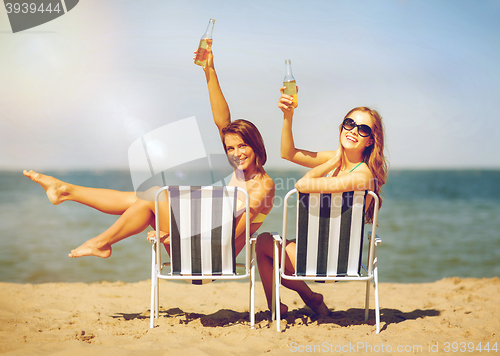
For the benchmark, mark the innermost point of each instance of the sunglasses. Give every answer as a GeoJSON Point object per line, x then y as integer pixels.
{"type": "Point", "coordinates": [363, 130]}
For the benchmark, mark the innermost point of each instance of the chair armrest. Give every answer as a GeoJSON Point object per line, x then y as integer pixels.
{"type": "Point", "coordinates": [276, 236]}
{"type": "Point", "coordinates": [378, 240]}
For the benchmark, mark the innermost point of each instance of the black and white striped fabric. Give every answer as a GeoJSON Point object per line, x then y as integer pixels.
{"type": "Point", "coordinates": [330, 234]}
{"type": "Point", "coordinates": [202, 244]}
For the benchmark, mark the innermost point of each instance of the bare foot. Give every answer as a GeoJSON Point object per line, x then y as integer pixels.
{"type": "Point", "coordinates": [316, 304]}
{"type": "Point", "coordinates": [90, 248]}
{"type": "Point", "coordinates": [56, 190]}
{"type": "Point", "coordinates": [164, 237]}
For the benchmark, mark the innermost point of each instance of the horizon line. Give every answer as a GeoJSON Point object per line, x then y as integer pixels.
{"type": "Point", "coordinates": [277, 168]}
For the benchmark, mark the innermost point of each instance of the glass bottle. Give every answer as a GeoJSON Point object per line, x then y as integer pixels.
{"type": "Point", "coordinates": [201, 56]}
{"type": "Point", "coordinates": [289, 82]}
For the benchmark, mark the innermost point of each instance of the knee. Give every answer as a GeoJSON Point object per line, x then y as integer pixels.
{"type": "Point", "coordinates": [149, 195]}
{"type": "Point", "coordinates": [145, 203]}
{"type": "Point", "coordinates": [264, 245]}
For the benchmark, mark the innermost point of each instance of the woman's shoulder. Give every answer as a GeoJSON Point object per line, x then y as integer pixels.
{"type": "Point", "coordinates": [266, 180]}
{"type": "Point", "coordinates": [362, 169]}
{"type": "Point", "coordinates": [364, 173]}
{"type": "Point", "coordinates": [263, 182]}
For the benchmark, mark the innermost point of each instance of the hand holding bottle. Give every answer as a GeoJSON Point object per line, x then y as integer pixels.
{"type": "Point", "coordinates": [286, 102]}
{"type": "Point", "coordinates": [209, 57]}
{"type": "Point", "coordinates": [201, 55]}
{"type": "Point", "coordinates": [289, 82]}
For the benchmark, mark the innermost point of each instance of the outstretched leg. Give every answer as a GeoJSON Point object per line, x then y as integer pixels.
{"type": "Point", "coordinates": [264, 251]}
{"type": "Point", "coordinates": [105, 200]}
{"type": "Point", "coordinates": [133, 221]}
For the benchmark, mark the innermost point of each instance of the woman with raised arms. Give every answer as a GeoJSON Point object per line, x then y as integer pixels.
{"type": "Point", "coordinates": [243, 145]}
{"type": "Point", "coordinates": [357, 164]}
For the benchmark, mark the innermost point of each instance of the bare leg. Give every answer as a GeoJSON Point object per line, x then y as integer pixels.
{"type": "Point", "coordinates": [264, 250]}
{"type": "Point", "coordinates": [106, 200]}
{"type": "Point", "coordinates": [134, 220]}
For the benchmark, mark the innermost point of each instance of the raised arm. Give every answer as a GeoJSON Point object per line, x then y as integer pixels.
{"type": "Point", "coordinates": [220, 109]}
{"type": "Point", "coordinates": [288, 150]}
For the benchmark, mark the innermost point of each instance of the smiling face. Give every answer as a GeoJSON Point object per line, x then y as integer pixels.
{"type": "Point", "coordinates": [352, 140]}
{"type": "Point", "coordinates": [240, 153]}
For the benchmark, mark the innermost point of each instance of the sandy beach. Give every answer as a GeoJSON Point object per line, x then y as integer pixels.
{"type": "Point", "coordinates": [105, 318]}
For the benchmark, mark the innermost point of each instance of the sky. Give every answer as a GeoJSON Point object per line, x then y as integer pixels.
{"type": "Point", "coordinates": [76, 92]}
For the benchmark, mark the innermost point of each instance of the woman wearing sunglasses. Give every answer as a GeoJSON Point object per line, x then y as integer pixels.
{"type": "Point", "coordinates": [357, 164]}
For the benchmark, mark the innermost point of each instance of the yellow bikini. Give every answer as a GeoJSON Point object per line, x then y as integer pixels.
{"type": "Point", "coordinates": [257, 219]}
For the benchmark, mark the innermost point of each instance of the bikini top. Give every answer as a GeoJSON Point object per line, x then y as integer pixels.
{"type": "Point", "coordinates": [257, 219]}
{"type": "Point", "coordinates": [359, 164]}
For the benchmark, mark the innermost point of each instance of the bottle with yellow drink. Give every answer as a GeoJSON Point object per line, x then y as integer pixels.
{"type": "Point", "coordinates": [289, 82]}
{"type": "Point", "coordinates": [201, 54]}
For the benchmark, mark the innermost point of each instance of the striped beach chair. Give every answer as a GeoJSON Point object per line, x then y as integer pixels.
{"type": "Point", "coordinates": [329, 243]}
{"type": "Point", "coordinates": [202, 223]}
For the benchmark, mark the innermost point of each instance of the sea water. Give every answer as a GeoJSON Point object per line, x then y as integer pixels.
{"type": "Point", "coordinates": [433, 224]}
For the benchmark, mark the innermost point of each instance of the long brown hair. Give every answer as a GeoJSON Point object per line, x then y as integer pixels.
{"type": "Point", "coordinates": [251, 136]}
{"type": "Point", "coordinates": [373, 156]}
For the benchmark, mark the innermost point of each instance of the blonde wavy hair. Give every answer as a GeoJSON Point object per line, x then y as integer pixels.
{"type": "Point", "coordinates": [374, 157]}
